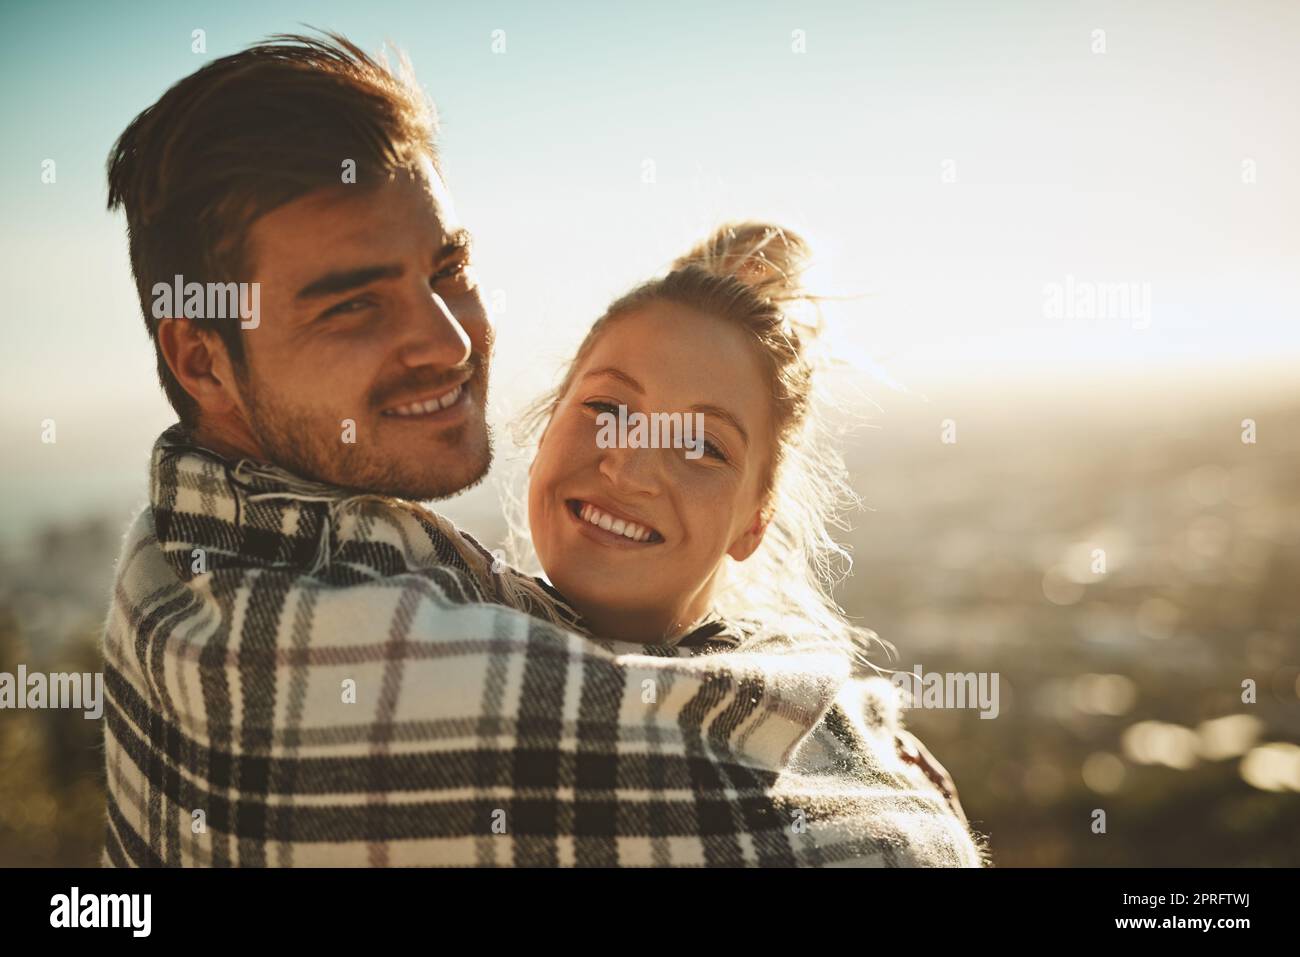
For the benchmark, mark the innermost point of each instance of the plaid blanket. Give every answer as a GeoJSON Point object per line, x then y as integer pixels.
{"type": "Point", "coordinates": [302, 675]}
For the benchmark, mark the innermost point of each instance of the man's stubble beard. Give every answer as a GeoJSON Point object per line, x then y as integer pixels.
{"type": "Point", "coordinates": [310, 445]}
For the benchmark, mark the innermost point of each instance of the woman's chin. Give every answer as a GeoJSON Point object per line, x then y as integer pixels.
{"type": "Point", "coordinates": [622, 611]}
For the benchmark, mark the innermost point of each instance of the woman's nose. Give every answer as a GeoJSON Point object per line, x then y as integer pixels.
{"type": "Point", "coordinates": [632, 471]}
{"type": "Point", "coordinates": [434, 335]}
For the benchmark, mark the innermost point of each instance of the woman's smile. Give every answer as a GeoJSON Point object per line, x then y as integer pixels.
{"type": "Point", "coordinates": [607, 525]}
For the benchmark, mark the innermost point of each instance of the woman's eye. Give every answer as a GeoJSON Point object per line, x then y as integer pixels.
{"type": "Point", "coordinates": [713, 451]}
{"type": "Point", "coordinates": [599, 406]}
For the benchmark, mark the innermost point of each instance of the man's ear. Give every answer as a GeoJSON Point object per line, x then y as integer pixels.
{"type": "Point", "coordinates": [750, 538]}
{"type": "Point", "coordinates": [199, 361]}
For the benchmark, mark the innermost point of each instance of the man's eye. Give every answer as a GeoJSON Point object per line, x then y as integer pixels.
{"type": "Point", "coordinates": [457, 270]}
{"type": "Point", "coordinates": [351, 305]}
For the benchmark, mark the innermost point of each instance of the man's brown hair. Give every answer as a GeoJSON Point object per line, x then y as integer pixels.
{"type": "Point", "coordinates": [242, 136]}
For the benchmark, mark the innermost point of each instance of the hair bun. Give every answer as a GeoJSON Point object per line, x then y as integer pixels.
{"type": "Point", "coordinates": [762, 255]}
{"type": "Point", "coordinates": [768, 258]}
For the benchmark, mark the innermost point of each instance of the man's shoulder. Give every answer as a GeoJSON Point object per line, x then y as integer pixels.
{"type": "Point", "coordinates": [350, 601]}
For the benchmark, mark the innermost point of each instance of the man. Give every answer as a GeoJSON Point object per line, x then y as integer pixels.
{"type": "Point", "coordinates": [304, 667]}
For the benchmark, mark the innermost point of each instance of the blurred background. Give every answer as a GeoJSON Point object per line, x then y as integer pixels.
{"type": "Point", "coordinates": [968, 176]}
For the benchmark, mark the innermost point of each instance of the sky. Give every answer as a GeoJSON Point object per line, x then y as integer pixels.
{"type": "Point", "coordinates": [950, 163]}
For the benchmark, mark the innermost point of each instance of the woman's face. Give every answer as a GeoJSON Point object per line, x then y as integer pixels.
{"type": "Point", "coordinates": [689, 509]}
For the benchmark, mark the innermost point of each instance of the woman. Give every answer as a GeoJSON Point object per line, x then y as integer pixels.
{"type": "Point", "coordinates": [721, 546]}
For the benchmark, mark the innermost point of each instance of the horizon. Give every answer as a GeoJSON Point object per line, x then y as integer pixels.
{"type": "Point", "coordinates": [36, 494]}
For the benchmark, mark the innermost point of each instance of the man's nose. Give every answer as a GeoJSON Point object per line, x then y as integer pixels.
{"type": "Point", "coordinates": [433, 334]}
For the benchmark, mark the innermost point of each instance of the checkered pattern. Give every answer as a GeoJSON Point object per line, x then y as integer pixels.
{"type": "Point", "coordinates": [298, 676]}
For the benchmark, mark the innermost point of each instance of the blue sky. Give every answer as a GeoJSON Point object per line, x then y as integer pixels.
{"type": "Point", "coordinates": [1122, 166]}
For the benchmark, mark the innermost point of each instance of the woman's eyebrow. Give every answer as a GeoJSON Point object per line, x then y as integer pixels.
{"type": "Point", "coordinates": [718, 412]}
{"type": "Point", "coordinates": [615, 373]}
{"type": "Point", "coordinates": [714, 410]}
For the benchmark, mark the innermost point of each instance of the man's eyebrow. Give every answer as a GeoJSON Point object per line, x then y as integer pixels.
{"type": "Point", "coordinates": [333, 283]}
{"type": "Point", "coordinates": [714, 410]}
{"type": "Point", "coordinates": [344, 280]}
{"type": "Point", "coordinates": [460, 240]}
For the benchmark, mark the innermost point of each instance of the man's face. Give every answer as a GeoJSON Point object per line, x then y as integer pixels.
{"type": "Point", "coordinates": [369, 368]}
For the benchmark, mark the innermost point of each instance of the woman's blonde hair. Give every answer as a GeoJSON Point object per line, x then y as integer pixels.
{"type": "Point", "coordinates": [750, 274]}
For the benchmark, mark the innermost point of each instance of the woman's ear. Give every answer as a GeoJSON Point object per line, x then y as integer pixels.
{"type": "Point", "coordinates": [750, 538]}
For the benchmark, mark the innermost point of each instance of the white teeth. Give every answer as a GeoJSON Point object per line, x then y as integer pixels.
{"type": "Point", "coordinates": [429, 405]}
{"type": "Point", "coordinates": [619, 526]}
